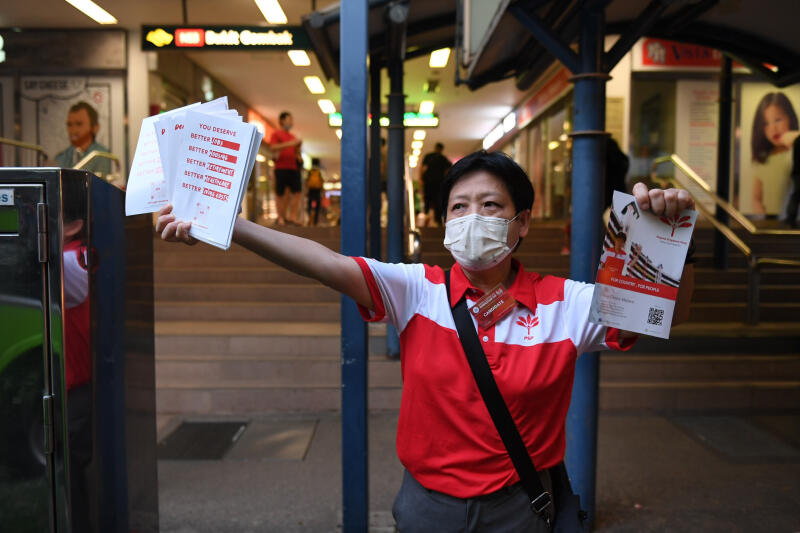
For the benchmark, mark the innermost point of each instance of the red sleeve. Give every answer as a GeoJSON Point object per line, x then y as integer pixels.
{"type": "Point", "coordinates": [615, 343]}
{"type": "Point", "coordinates": [377, 300]}
{"type": "Point", "coordinates": [275, 137]}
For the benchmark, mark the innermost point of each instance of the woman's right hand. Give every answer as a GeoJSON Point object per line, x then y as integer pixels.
{"type": "Point", "coordinates": [172, 229]}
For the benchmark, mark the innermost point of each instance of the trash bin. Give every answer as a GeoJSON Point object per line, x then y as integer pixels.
{"type": "Point", "coordinates": [77, 367]}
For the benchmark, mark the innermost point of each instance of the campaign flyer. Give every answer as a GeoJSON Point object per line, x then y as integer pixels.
{"type": "Point", "coordinates": [640, 268]}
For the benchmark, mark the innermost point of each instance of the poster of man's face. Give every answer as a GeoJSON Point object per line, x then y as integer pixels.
{"type": "Point", "coordinates": [768, 113]}
{"type": "Point", "coordinates": [47, 120]}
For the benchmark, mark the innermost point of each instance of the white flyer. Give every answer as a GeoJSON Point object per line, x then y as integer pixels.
{"type": "Point", "coordinates": [213, 167]}
{"type": "Point", "coordinates": [640, 268]}
{"type": "Point", "coordinates": [147, 190]}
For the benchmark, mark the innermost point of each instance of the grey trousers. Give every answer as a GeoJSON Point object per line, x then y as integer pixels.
{"type": "Point", "coordinates": [419, 510]}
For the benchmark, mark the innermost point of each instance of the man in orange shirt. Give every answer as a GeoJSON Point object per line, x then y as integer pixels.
{"type": "Point", "coordinates": [286, 151]}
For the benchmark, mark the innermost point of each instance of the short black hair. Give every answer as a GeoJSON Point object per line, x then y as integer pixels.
{"type": "Point", "coordinates": [439, 147]}
{"type": "Point", "coordinates": [283, 115]}
{"type": "Point", "coordinates": [497, 164]}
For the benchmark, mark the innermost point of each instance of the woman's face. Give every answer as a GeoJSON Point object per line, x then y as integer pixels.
{"type": "Point", "coordinates": [776, 123]}
{"type": "Point", "coordinates": [484, 194]}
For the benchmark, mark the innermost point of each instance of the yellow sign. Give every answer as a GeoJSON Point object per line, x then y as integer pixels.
{"type": "Point", "coordinates": [159, 37]}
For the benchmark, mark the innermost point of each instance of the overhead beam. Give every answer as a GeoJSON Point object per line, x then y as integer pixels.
{"type": "Point", "coordinates": [639, 27]}
{"type": "Point", "coordinates": [688, 14]}
{"type": "Point", "coordinates": [564, 29]}
{"type": "Point", "coordinates": [549, 39]}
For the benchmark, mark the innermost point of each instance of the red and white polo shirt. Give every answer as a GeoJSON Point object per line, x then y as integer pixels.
{"type": "Point", "coordinates": [445, 436]}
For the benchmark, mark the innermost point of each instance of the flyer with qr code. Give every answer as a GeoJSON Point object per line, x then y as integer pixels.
{"type": "Point", "coordinates": [640, 268]}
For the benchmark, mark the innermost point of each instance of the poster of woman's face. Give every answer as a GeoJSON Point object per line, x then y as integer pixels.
{"type": "Point", "coordinates": [768, 118]}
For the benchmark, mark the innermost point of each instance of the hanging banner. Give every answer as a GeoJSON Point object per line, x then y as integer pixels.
{"type": "Point", "coordinates": [697, 130]}
{"type": "Point", "coordinates": [662, 54]}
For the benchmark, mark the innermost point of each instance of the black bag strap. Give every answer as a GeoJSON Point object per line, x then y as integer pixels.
{"type": "Point", "coordinates": [540, 499]}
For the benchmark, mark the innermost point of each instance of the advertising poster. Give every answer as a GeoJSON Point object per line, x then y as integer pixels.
{"type": "Point", "coordinates": [696, 129]}
{"type": "Point", "coordinates": [45, 105]}
{"type": "Point", "coordinates": [767, 113]}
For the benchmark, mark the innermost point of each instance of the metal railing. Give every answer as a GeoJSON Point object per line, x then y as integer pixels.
{"type": "Point", "coordinates": [413, 240]}
{"type": "Point", "coordinates": [754, 263]}
{"type": "Point", "coordinates": [97, 154]}
{"type": "Point", "coordinates": [40, 153]}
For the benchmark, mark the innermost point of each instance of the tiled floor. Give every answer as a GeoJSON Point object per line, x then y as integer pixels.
{"type": "Point", "coordinates": [655, 474]}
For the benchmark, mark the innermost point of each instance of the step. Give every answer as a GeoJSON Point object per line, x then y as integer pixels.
{"type": "Point", "coordinates": [233, 398]}
{"type": "Point", "coordinates": [252, 311]}
{"type": "Point", "coordinates": [699, 395]}
{"type": "Point", "coordinates": [268, 372]}
{"type": "Point", "coordinates": [250, 338]}
{"type": "Point", "coordinates": [226, 399]}
{"type": "Point", "coordinates": [625, 367]}
{"type": "Point", "coordinates": [737, 293]}
{"type": "Point", "coordinates": [266, 273]}
{"type": "Point", "coordinates": [735, 312]}
{"type": "Point", "coordinates": [250, 292]}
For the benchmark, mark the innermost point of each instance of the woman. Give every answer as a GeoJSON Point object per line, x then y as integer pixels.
{"type": "Point", "coordinates": [458, 474]}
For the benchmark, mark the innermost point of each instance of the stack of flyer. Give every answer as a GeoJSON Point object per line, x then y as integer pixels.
{"type": "Point", "coordinates": [199, 159]}
{"type": "Point", "coordinates": [640, 268]}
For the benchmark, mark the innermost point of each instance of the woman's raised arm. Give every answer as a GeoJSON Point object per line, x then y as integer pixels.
{"type": "Point", "coordinates": [302, 256]}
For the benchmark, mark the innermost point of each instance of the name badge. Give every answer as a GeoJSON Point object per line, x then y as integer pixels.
{"type": "Point", "coordinates": [493, 306]}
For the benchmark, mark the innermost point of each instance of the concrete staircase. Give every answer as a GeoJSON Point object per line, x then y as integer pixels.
{"type": "Point", "coordinates": [237, 334]}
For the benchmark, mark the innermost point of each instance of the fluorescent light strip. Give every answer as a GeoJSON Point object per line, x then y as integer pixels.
{"type": "Point", "coordinates": [93, 11]}
{"type": "Point", "coordinates": [419, 135]}
{"type": "Point", "coordinates": [272, 11]}
{"type": "Point", "coordinates": [416, 145]}
{"type": "Point", "coordinates": [326, 106]}
{"type": "Point", "coordinates": [426, 107]}
{"type": "Point", "coordinates": [299, 58]}
{"type": "Point", "coordinates": [314, 84]}
{"type": "Point", "coordinates": [439, 58]}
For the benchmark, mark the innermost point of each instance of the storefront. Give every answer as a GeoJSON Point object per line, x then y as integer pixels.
{"type": "Point", "coordinates": [662, 99]}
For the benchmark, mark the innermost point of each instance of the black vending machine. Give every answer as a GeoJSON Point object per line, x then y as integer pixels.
{"type": "Point", "coordinates": [77, 367]}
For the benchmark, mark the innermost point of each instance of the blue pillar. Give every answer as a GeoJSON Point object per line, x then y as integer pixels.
{"type": "Point", "coordinates": [375, 159]}
{"type": "Point", "coordinates": [395, 186]}
{"type": "Point", "coordinates": [723, 158]}
{"type": "Point", "coordinates": [588, 179]}
{"type": "Point", "coordinates": [353, 67]}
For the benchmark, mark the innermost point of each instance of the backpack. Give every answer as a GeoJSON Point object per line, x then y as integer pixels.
{"type": "Point", "coordinates": [314, 179]}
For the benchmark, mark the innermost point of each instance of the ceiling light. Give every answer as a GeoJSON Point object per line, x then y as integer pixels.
{"type": "Point", "coordinates": [439, 58]}
{"type": "Point", "coordinates": [416, 145]}
{"type": "Point", "coordinates": [299, 58]}
{"type": "Point", "coordinates": [272, 11]}
{"type": "Point", "coordinates": [93, 11]}
{"type": "Point", "coordinates": [412, 161]}
{"type": "Point", "coordinates": [510, 122]}
{"type": "Point", "coordinates": [314, 84]}
{"type": "Point", "coordinates": [552, 145]}
{"type": "Point", "coordinates": [415, 152]}
{"type": "Point", "coordinates": [326, 106]}
{"type": "Point", "coordinates": [426, 107]}
{"type": "Point", "coordinates": [261, 158]}
{"type": "Point", "coordinates": [419, 135]}
{"type": "Point", "coordinates": [339, 134]}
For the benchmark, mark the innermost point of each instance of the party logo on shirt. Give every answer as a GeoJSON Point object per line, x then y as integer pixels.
{"type": "Point", "coordinates": [529, 323]}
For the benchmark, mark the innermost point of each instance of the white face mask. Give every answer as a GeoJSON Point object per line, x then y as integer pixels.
{"type": "Point", "coordinates": [477, 242]}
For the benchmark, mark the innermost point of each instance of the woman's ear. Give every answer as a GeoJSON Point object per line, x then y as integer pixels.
{"type": "Point", "coordinates": [524, 219]}
{"type": "Point", "coordinates": [72, 228]}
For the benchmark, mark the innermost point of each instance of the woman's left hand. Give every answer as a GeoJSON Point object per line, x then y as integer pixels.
{"type": "Point", "coordinates": [668, 202]}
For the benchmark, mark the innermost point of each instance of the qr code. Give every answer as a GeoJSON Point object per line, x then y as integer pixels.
{"type": "Point", "coordinates": [655, 316]}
